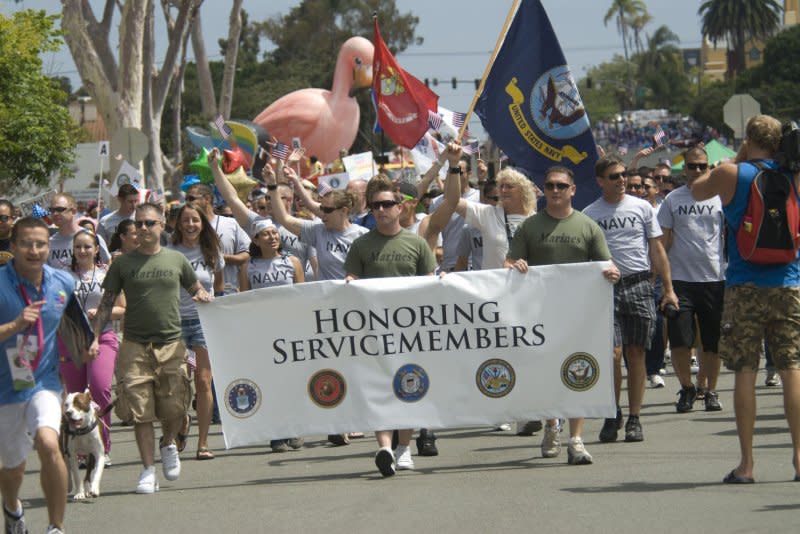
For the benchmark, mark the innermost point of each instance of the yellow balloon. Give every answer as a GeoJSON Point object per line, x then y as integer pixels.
{"type": "Point", "coordinates": [242, 183]}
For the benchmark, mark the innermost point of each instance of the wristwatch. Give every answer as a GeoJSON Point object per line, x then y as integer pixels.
{"type": "Point", "coordinates": [272, 187]}
{"type": "Point", "coordinates": [455, 170]}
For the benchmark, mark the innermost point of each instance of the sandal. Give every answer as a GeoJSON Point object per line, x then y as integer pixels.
{"type": "Point", "coordinates": [733, 478]}
{"type": "Point", "coordinates": [183, 433]}
{"type": "Point", "coordinates": [204, 453]}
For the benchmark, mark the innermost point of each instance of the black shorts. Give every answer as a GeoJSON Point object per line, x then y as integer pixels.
{"type": "Point", "coordinates": [703, 300]}
{"type": "Point", "coordinates": [634, 311]}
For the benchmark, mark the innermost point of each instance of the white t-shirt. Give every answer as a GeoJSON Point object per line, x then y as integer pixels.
{"type": "Point", "coordinates": [270, 272]}
{"type": "Point", "coordinates": [496, 228]}
{"type": "Point", "coordinates": [471, 246]}
{"type": "Point", "coordinates": [89, 289]}
{"type": "Point", "coordinates": [61, 248]}
{"type": "Point", "coordinates": [205, 274]}
{"type": "Point", "coordinates": [451, 235]}
{"type": "Point", "coordinates": [332, 247]}
{"type": "Point", "coordinates": [696, 254]}
{"type": "Point", "coordinates": [627, 225]}
{"type": "Point", "coordinates": [291, 244]}
{"type": "Point", "coordinates": [233, 240]}
{"type": "Point", "coordinates": [107, 225]}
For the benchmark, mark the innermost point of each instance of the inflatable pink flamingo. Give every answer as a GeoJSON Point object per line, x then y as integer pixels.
{"type": "Point", "coordinates": [325, 121]}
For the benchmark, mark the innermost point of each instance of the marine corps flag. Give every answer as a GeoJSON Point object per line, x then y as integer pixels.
{"type": "Point", "coordinates": [530, 104]}
{"type": "Point", "coordinates": [402, 101]}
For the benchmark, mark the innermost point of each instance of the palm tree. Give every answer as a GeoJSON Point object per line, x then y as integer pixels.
{"type": "Point", "coordinates": [622, 11]}
{"type": "Point", "coordinates": [662, 52]}
{"type": "Point", "coordinates": [737, 22]}
{"type": "Point", "coordinates": [637, 24]}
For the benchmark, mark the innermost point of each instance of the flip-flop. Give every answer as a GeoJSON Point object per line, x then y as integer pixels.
{"type": "Point", "coordinates": [733, 478]}
{"type": "Point", "coordinates": [797, 478]}
{"type": "Point", "coordinates": [183, 434]}
{"type": "Point", "coordinates": [204, 453]}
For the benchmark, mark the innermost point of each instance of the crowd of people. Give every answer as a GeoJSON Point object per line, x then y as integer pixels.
{"type": "Point", "coordinates": [139, 274]}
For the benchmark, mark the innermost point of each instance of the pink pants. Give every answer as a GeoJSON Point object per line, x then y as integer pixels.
{"type": "Point", "coordinates": [95, 375]}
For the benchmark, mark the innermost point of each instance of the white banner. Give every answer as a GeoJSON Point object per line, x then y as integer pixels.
{"type": "Point", "coordinates": [359, 166]}
{"type": "Point", "coordinates": [334, 181]}
{"type": "Point", "coordinates": [425, 153]}
{"type": "Point", "coordinates": [470, 348]}
{"type": "Point", "coordinates": [128, 174]}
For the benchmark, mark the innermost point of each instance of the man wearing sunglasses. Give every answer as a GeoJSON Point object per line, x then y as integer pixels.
{"type": "Point", "coordinates": [762, 302]}
{"type": "Point", "coordinates": [560, 234]}
{"type": "Point", "coordinates": [151, 371]}
{"type": "Point", "coordinates": [693, 238]}
{"type": "Point", "coordinates": [128, 197]}
{"type": "Point", "coordinates": [634, 184]}
{"type": "Point", "coordinates": [632, 233]}
{"type": "Point", "coordinates": [388, 250]}
{"type": "Point", "coordinates": [6, 224]}
{"type": "Point", "coordinates": [62, 212]}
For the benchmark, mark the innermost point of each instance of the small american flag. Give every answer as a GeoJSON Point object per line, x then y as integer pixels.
{"type": "Point", "coordinates": [324, 188]}
{"type": "Point", "coordinates": [471, 148]}
{"type": "Point", "coordinates": [224, 130]}
{"type": "Point", "coordinates": [281, 151]}
{"type": "Point", "coordinates": [434, 120]}
{"type": "Point", "coordinates": [459, 118]}
{"type": "Point", "coordinates": [191, 359]}
{"type": "Point", "coordinates": [38, 211]}
{"type": "Point", "coordinates": [660, 137]}
{"type": "Point", "coordinates": [622, 150]}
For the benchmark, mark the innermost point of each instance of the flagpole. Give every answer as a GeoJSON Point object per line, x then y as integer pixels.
{"type": "Point", "coordinates": [496, 50]}
{"type": "Point", "coordinates": [100, 187]}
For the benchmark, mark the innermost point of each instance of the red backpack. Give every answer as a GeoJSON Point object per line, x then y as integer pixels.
{"type": "Point", "coordinates": [770, 229]}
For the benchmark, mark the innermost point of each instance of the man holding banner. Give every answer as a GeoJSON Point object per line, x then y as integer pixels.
{"type": "Point", "coordinates": [388, 250]}
{"type": "Point", "coordinates": [560, 234]}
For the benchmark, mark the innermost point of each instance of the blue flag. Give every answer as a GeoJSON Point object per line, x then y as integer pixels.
{"type": "Point", "coordinates": [531, 108]}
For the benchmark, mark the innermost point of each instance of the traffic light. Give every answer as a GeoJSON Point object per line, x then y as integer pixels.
{"type": "Point", "coordinates": [427, 82]}
{"type": "Point", "coordinates": [477, 84]}
{"type": "Point", "coordinates": [454, 82]}
{"type": "Point", "coordinates": [588, 82]}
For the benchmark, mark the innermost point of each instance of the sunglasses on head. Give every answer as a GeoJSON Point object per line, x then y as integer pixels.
{"type": "Point", "coordinates": [697, 166]}
{"type": "Point", "coordinates": [328, 209]}
{"type": "Point", "coordinates": [614, 176]}
{"type": "Point", "coordinates": [148, 223]}
{"type": "Point", "coordinates": [552, 186]}
{"type": "Point", "coordinates": [385, 204]}
{"type": "Point", "coordinates": [57, 209]}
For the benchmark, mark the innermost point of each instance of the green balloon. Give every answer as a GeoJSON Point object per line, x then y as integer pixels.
{"type": "Point", "coordinates": [201, 168]}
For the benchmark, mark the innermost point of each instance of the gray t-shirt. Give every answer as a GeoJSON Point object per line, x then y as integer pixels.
{"type": "Point", "coordinates": [108, 224]}
{"type": "Point", "coordinates": [61, 248]}
{"type": "Point", "coordinates": [233, 240]}
{"type": "Point", "coordinates": [471, 246]}
{"type": "Point", "coordinates": [270, 272]}
{"type": "Point", "coordinates": [696, 254]}
{"type": "Point", "coordinates": [332, 247]}
{"type": "Point", "coordinates": [89, 290]}
{"type": "Point", "coordinates": [627, 226]}
{"type": "Point", "coordinates": [204, 273]}
{"type": "Point", "coordinates": [451, 235]}
{"type": "Point", "coordinates": [291, 244]}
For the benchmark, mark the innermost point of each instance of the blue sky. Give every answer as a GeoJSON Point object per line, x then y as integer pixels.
{"type": "Point", "coordinates": [458, 34]}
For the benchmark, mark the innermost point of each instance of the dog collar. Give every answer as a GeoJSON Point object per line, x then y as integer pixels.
{"type": "Point", "coordinates": [82, 431]}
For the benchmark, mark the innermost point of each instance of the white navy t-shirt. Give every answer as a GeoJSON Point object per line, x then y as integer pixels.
{"type": "Point", "coordinates": [61, 248]}
{"type": "Point", "coordinates": [205, 274]}
{"type": "Point", "coordinates": [627, 225]}
{"type": "Point", "coordinates": [270, 272]}
{"type": "Point", "coordinates": [696, 254]}
{"type": "Point", "coordinates": [332, 247]}
{"type": "Point", "coordinates": [233, 240]}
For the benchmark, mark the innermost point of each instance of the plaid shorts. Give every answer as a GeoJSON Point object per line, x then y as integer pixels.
{"type": "Point", "coordinates": [634, 310]}
{"type": "Point", "coordinates": [754, 314]}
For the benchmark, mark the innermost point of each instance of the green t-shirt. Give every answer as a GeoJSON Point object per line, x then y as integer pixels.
{"type": "Point", "coordinates": [543, 240]}
{"type": "Point", "coordinates": [152, 292]}
{"type": "Point", "coordinates": [374, 255]}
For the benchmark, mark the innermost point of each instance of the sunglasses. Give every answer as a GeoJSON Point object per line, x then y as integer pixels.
{"type": "Point", "coordinates": [634, 186]}
{"type": "Point", "coordinates": [385, 204]}
{"type": "Point", "coordinates": [614, 176]}
{"type": "Point", "coordinates": [493, 198]}
{"type": "Point", "coordinates": [5, 218]}
{"type": "Point", "coordinates": [192, 198]}
{"type": "Point", "coordinates": [552, 186]}
{"type": "Point", "coordinates": [149, 224]}
{"type": "Point", "coordinates": [649, 187]}
{"type": "Point", "coordinates": [57, 209]}
{"type": "Point", "coordinates": [697, 166]}
{"type": "Point", "coordinates": [261, 207]}
{"type": "Point", "coordinates": [328, 209]}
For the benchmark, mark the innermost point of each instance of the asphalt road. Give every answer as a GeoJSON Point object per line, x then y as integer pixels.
{"type": "Point", "coordinates": [482, 481]}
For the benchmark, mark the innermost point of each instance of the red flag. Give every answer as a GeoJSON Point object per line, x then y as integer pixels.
{"type": "Point", "coordinates": [403, 102]}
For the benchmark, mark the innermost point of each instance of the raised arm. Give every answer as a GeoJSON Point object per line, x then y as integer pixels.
{"type": "Point", "coordinates": [452, 193]}
{"type": "Point", "coordinates": [302, 192]}
{"type": "Point", "coordinates": [720, 181]}
{"type": "Point", "coordinates": [288, 221]}
{"type": "Point", "coordinates": [226, 189]}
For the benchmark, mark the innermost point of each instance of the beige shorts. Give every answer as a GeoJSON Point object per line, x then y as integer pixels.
{"type": "Point", "coordinates": [152, 382]}
{"type": "Point", "coordinates": [752, 315]}
{"type": "Point", "coordinates": [20, 422]}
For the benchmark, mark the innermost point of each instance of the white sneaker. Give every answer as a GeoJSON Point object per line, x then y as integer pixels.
{"type": "Point", "coordinates": [656, 381]}
{"type": "Point", "coordinates": [694, 367]}
{"type": "Point", "coordinates": [662, 371]}
{"type": "Point", "coordinates": [170, 462]}
{"type": "Point", "coordinates": [384, 460]}
{"type": "Point", "coordinates": [403, 455]}
{"type": "Point", "coordinates": [148, 481]}
{"type": "Point", "coordinates": [504, 427]}
{"type": "Point", "coordinates": [551, 442]}
{"type": "Point", "coordinates": [773, 378]}
{"type": "Point", "coordinates": [106, 461]}
{"type": "Point", "coordinates": [576, 452]}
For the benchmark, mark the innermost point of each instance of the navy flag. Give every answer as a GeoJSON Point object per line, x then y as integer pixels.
{"type": "Point", "coordinates": [531, 108]}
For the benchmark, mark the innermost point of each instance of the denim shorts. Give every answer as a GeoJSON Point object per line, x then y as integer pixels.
{"type": "Point", "coordinates": [192, 332]}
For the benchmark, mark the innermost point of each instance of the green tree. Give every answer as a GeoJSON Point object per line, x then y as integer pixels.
{"type": "Point", "coordinates": [738, 22]}
{"type": "Point", "coordinates": [622, 12]}
{"type": "Point", "coordinates": [37, 134]}
{"type": "Point", "coordinates": [661, 72]}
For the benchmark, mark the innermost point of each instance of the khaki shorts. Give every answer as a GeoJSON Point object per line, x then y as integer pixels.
{"type": "Point", "coordinates": [753, 314]}
{"type": "Point", "coordinates": [152, 382]}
